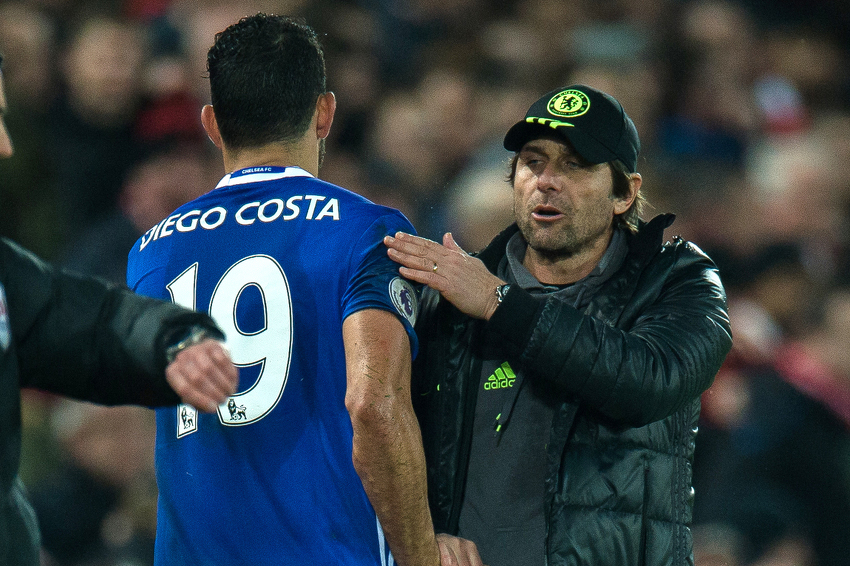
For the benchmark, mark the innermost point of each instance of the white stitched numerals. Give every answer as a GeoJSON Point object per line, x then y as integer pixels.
{"type": "Point", "coordinates": [269, 346]}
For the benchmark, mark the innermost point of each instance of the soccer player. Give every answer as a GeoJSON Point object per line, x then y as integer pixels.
{"type": "Point", "coordinates": [317, 458]}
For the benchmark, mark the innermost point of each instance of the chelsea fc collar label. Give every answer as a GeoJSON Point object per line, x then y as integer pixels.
{"type": "Point", "coordinates": [5, 327]}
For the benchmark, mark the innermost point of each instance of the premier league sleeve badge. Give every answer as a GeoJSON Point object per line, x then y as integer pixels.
{"type": "Point", "coordinates": [404, 299]}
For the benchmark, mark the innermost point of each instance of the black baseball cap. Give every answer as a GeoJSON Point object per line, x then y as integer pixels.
{"type": "Point", "coordinates": [593, 122]}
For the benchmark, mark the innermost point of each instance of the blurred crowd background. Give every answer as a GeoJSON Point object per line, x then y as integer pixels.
{"type": "Point", "coordinates": [743, 108]}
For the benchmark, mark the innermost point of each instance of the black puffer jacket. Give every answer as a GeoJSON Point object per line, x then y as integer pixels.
{"type": "Point", "coordinates": [630, 370]}
{"type": "Point", "coordinates": [77, 337]}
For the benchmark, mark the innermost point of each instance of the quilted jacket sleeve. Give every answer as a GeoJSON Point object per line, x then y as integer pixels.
{"type": "Point", "coordinates": [88, 339]}
{"type": "Point", "coordinates": [662, 352]}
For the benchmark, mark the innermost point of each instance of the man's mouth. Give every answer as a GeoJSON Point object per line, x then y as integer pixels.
{"type": "Point", "coordinates": [546, 213]}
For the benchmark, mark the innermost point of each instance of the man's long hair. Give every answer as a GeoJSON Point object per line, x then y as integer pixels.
{"type": "Point", "coordinates": [266, 73]}
{"type": "Point", "coordinates": [629, 219]}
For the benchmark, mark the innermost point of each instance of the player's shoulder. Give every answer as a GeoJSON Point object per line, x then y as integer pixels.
{"type": "Point", "coordinates": [360, 206]}
{"type": "Point", "coordinates": [339, 191]}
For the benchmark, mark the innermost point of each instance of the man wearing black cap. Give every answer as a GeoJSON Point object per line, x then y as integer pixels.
{"type": "Point", "coordinates": [560, 368]}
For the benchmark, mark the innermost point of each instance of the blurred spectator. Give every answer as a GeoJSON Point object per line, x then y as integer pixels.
{"type": "Point", "coordinates": [28, 37]}
{"type": "Point", "coordinates": [401, 163]}
{"type": "Point", "coordinates": [712, 117]}
{"type": "Point", "coordinates": [772, 459]}
{"type": "Point", "coordinates": [91, 129]}
{"type": "Point", "coordinates": [28, 204]}
{"type": "Point", "coordinates": [809, 60]}
{"type": "Point", "coordinates": [165, 180]}
{"type": "Point", "coordinates": [412, 33]}
{"type": "Point", "coordinates": [99, 507]}
{"type": "Point", "coordinates": [480, 202]}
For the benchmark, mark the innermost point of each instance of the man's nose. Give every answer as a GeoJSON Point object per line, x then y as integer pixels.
{"type": "Point", "coordinates": [547, 179]}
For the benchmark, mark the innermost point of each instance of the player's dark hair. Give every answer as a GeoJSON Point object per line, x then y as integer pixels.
{"type": "Point", "coordinates": [266, 73]}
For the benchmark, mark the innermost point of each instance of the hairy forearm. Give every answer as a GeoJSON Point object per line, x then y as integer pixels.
{"type": "Point", "coordinates": [387, 444]}
{"type": "Point", "coordinates": [389, 458]}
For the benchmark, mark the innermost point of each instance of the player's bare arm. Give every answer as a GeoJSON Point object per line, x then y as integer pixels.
{"type": "Point", "coordinates": [387, 445]}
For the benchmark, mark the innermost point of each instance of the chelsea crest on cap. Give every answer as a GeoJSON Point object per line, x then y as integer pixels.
{"type": "Point", "coordinates": [592, 121]}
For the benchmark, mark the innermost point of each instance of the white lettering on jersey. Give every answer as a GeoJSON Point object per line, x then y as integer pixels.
{"type": "Point", "coordinates": [166, 228]}
{"type": "Point", "coordinates": [208, 224]}
{"type": "Point", "coordinates": [263, 214]}
{"type": "Point", "coordinates": [193, 223]}
{"type": "Point", "coordinates": [313, 200]}
{"type": "Point", "coordinates": [239, 214]}
{"type": "Point", "coordinates": [296, 210]}
{"type": "Point", "coordinates": [331, 209]}
{"type": "Point", "coordinates": [247, 214]}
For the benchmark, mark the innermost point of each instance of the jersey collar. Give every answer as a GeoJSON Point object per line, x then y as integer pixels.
{"type": "Point", "coordinates": [260, 174]}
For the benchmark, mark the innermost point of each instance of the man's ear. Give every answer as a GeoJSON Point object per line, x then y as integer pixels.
{"type": "Point", "coordinates": [622, 204]}
{"type": "Point", "coordinates": [211, 125]}
{"type": "Point", "coordinates": [325, 110]}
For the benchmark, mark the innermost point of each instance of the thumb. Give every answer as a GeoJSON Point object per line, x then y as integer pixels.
{"type": "Point", "coordinates": [449, 242]}
{"type": "Point", "coordinates": [447, 556]}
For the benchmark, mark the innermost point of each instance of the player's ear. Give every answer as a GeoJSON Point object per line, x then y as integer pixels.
{"type": "Point", "coordinates": [325, 110]}
{"type": "Point", "coordinates": [622, 204]}
{"type": "Point", "coordinates": [211, 125]}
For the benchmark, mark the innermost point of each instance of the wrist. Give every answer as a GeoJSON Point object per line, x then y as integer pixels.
{"type": "Point", "coordinates": [498, 296]}
{"type": "Point", "coordinates": [194, 335]}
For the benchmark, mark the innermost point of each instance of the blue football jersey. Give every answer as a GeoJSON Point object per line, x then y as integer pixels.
{"type": "Point", "coordinates": [279, 259]}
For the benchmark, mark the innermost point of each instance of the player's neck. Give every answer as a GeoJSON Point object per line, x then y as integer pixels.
{"type": "Point", "coordinates": [303, 155]}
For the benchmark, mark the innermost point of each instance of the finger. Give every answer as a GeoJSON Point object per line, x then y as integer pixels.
{"type": "Point", "coordinates": [413, 245]}
{"type": "Point", "coordinates": [425, 277]}
{"type": "Point", "coordinates": [226, 374]}
{"type": "Point", "coordinates": [198, 380]}
{"type": "Point", "coordinates": [202, 396]}
{"type": "Point", "coordinates": [469, 550]}
{"type": "Point", "coordinates": [222, 388]}
{"type": "Point", "coordinates": [192, 396]}
{"type": "Point", "coordinates": [202, 403]}
{"type": "Point", "coordinates": [207, 374]}
{"type": "Point", "coordinates": [414, 240]}
{"type": "Point", "coordinates": [447, 555]}
{"type": "Point", "coordinates": [405, 245]}
{"type": "Point", "coordinates": [416, 262]}
{"type": "Point", "coordinates": [449, 242]}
